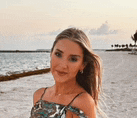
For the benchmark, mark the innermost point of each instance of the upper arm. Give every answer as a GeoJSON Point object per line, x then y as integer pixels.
{"type": "Point", "coordinates": [90, 108]}
{"type": "Point", "coordinates": [37, 95]}
{"type": "Point", "coordinates": [86, 103]}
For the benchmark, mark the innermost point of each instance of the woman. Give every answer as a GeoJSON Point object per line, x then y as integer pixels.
{"type": "Point", "coordinates": [77, 74]}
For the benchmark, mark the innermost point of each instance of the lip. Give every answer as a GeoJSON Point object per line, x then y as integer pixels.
{"type": "Point", "coordinates": [61, 73]}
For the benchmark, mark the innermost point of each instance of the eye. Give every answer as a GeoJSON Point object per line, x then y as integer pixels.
{"type": "Point", "coordinates": [73, 59]}
{"type": "Point", "coordinates": [58, 54]}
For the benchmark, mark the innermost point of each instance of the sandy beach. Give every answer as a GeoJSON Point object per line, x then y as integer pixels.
{"type": "Point", "coordinates": [119, 86]}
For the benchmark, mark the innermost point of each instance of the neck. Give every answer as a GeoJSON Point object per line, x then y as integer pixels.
{"type": "Point", "coordinates": [65, 88]}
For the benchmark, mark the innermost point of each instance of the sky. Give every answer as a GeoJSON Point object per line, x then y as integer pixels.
{"type": "Point", "coordinates": [34, 24]}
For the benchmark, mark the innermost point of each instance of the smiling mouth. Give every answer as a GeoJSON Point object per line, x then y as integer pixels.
{"type": "Point", "coordinates": [61, 73]}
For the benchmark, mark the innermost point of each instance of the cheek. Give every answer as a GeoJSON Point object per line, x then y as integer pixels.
{"type": "Point", "coordinates": [75, 68]}
{"type": "Point", "coordinates": [53, 62]}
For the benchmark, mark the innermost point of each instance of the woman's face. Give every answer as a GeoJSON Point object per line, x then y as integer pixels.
{"type": "Point", "coordinates": [66, 60]}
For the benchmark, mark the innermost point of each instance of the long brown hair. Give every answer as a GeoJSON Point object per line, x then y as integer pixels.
{"type": "Point", "coordinates": [91, 78]}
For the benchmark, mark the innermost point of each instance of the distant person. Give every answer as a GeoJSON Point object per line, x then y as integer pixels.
{"type": "Point", "coordinates": [77, 74]}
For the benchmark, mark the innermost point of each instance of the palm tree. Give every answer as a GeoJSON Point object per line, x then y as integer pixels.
{"type": "Point", "coordinates": [130, 45]}
{"type": "Point", "coordinates": [119, 46]}
{"type": "Point", "coordinates": [116, 45]}
{"type": "Point", "coordinates": [123, 45]}
{"type": "Point", "coordinates": [126, 45]}
{"type": "Point", "coordinates": [134, 37]}
{"type": "Point", "coordinates": [112, 46]}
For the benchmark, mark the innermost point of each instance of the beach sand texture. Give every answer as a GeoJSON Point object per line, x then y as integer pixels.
{"type": "Point", "coordinates": [119, 85]}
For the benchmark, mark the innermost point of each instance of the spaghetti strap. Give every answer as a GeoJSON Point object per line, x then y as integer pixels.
{"type": "Point", "coordinates": [43, 94]}
{"type": "Point", "coordinates": [74, 98]}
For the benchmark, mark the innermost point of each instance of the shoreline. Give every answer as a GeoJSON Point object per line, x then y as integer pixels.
{"type": "Point", "coordinates": [24, 51]}
{"type": "Point", "coordinates": [24, 74]}
{"type": "Point", "coordinates": [125, 49]}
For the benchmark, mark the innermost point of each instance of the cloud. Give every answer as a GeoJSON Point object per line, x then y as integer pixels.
{"type": "Point", "coordinates": [103, 30]}
{"type": "Point", "coordinates": [55, 32]}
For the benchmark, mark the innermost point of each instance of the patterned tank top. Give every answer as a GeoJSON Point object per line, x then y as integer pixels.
{"type": "Point", "coordinates": [45, 109]}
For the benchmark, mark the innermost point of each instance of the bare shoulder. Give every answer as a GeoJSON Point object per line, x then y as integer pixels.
{"type": "Point", "coordinates": [37, 94]}
{"type": "Point", "coordinates": [86, 103]}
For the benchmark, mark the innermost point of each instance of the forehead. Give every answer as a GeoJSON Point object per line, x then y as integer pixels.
{"type": "Point", "coordinates": [68, 46]}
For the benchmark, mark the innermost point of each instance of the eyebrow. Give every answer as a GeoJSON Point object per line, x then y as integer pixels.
{"type": "Point", "coordinates": [70, 55]}
{"type": "Point", "coordinates": [59, 50]}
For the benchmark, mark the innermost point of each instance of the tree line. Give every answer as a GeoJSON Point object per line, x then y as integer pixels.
{"type": "Point", "coordinates": [134, 38]}
{"type": "Point", "coordinates": [123, 46]}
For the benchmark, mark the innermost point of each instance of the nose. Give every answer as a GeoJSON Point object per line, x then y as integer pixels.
{"type": "Point", "coordinates": [64, 64]}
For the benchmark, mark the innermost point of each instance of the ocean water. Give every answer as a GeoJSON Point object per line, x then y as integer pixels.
{"type": "Point", "coordinates": [14, 63]}
{"type": "Point", "coordinates": [11, 63]}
